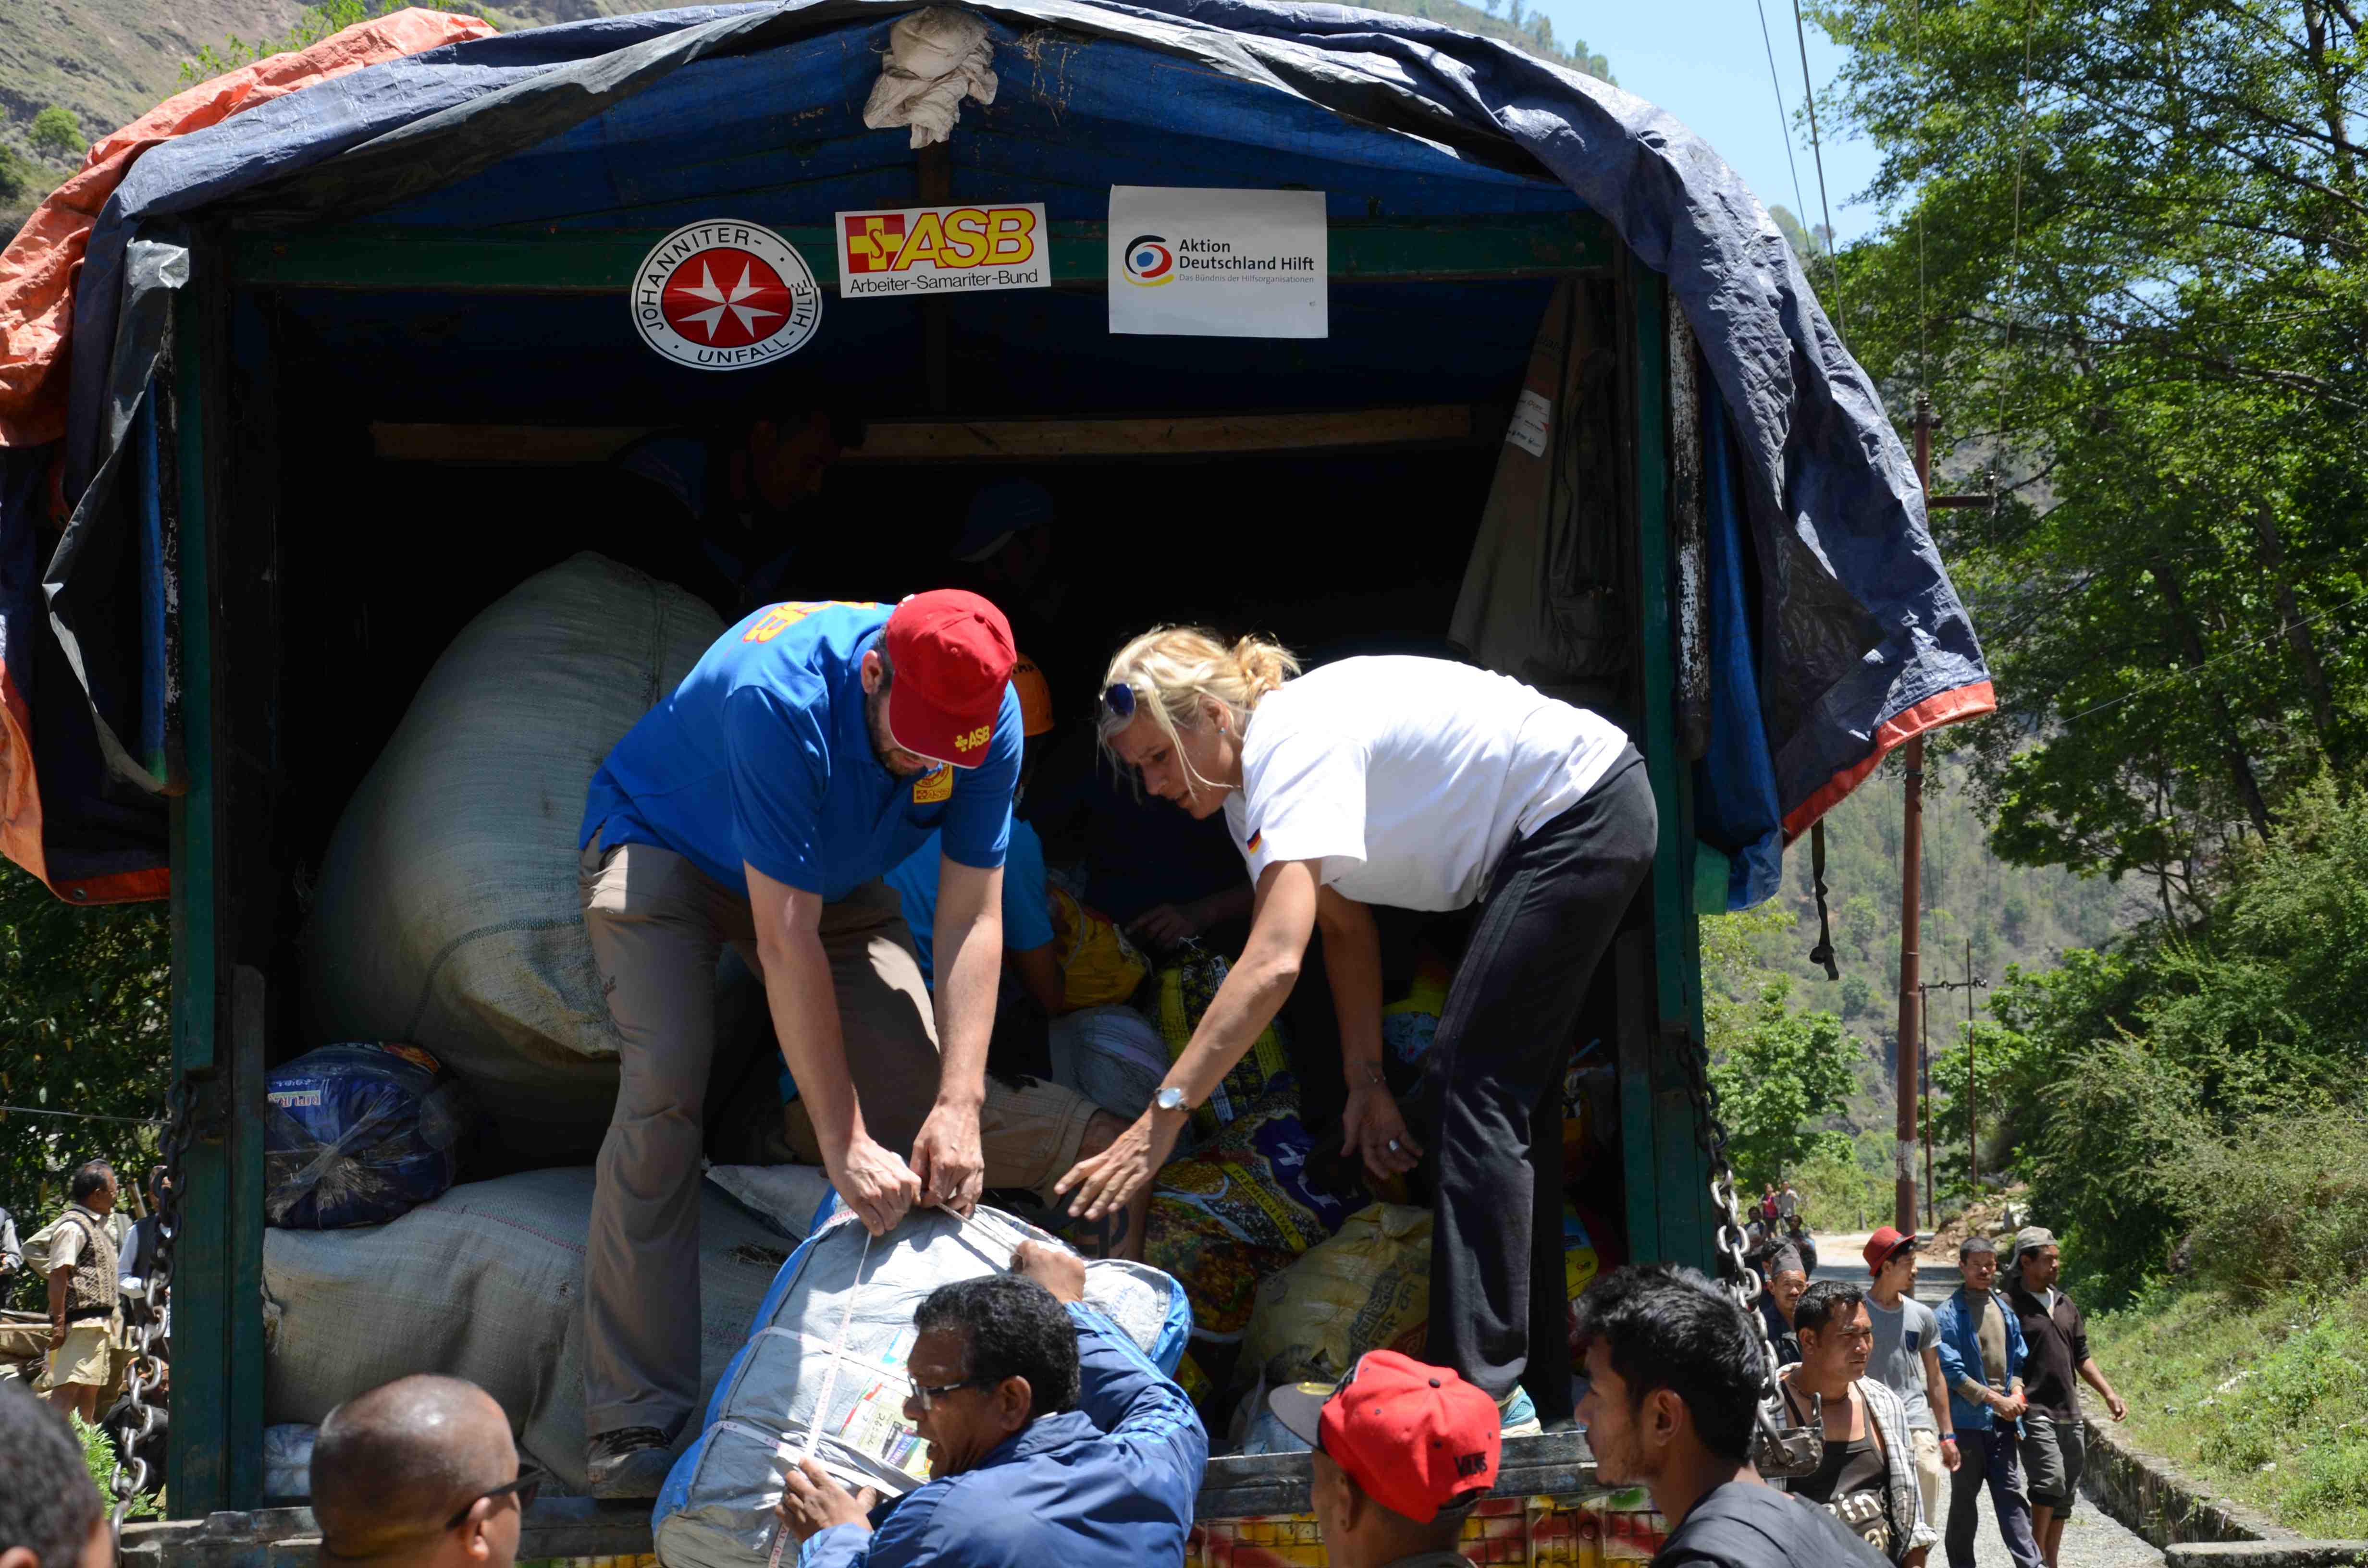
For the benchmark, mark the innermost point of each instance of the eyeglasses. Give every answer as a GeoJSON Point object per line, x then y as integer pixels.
{"type": "Point", "coordinates": [529, 1482]}
{"type": "Point", "coordinates": [1119, 700]}
{"type": "Point", "coordinates": [926, 1396]}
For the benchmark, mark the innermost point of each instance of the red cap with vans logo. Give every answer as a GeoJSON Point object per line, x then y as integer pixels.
{"type": "Point", "coordinates": [952, 655]}
{"type": "Point", "coordinates": [1881, 1246]}
{"type": "Point", "coordinates": [1415, 1437]}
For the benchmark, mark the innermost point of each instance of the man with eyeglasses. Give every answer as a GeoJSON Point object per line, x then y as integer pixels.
{"type": "Point", "coordinates": [1052, 1439]}
{"type": "Point", "coordinates": [420, 1474]}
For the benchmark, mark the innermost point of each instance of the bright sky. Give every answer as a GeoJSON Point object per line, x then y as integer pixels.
{"type": "Point", "coordinates": [1705, 62]}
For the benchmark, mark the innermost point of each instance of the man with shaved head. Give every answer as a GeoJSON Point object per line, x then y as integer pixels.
{"type": "Point", "coordinates": [420, 1474]}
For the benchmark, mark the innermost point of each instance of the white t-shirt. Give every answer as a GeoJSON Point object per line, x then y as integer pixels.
{"type": "Point", "coordinates": [1408, 777]}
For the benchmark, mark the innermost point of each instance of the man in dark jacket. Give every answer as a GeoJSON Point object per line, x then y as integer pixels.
{"type": "Point", "coordinates": [1052, 1439]}
{"type": "Point", "coordinates": [1674, 1373]}
{"type": "Point", "coordinates": [2056, 1338]}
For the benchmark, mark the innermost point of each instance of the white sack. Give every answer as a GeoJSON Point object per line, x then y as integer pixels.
{"type": "Point", "coordinates": [717, 1508]}
{"type": "Point", "coordinates": [1114, 1056]}
{"type": "Point", "coordinates": [936, 58]}
{"type": "Point", "coordinates": [485, 1283]}
{"type": "Point", "coordinates": [447, 910]}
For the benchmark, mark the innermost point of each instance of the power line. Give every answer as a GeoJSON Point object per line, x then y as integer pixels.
{"type": "Point", "coordinates": [84, 1115]}
{"type": "Point", "coordinates": [2217, 659]}
{"type": "Point", "coordinates": [1783, 120]}
{"type": "Point", "coordinates": [1818, 151]}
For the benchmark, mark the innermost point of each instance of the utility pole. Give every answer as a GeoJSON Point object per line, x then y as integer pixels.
{"type": "Point", "coordinates": [1969, 984]}
{"type": "Point", "coordinates": [1911, 895]}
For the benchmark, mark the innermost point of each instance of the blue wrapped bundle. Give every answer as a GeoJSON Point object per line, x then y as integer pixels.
{"type": "Point", "coordinates": [358, 1134]}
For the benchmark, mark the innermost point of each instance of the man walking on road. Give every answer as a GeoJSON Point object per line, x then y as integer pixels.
{"type": "Point", "coordinates": [2055, 1447]}
{"type": "Point", "coordinates": [83, 1292]}
{"type": "Point", "coordinates": [1981, 1357]}
{"type": "Point", "coordinates": [1867, 1479]}
{"type": "Point", "coordinates": [1906, 1360]}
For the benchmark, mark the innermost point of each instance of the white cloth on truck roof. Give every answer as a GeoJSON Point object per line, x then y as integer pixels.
{"type": "Point", "coordinates": [484, 1283]}
{"type": "Point", "coordinates": [717, 1508]}
{"type": "Point", "coordinates": [447, 913]}
{"type": "Point", "coordinates": [936, 57]}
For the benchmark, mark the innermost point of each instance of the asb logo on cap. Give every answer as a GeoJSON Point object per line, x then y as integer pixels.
{"type": "Point", "coordinates": [725, 295]}
{"type": "Point", "coordinates": [1149, 261]}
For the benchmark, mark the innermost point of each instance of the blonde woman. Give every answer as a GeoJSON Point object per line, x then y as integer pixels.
{"type": "Point", "coordinates": [1428, 785]}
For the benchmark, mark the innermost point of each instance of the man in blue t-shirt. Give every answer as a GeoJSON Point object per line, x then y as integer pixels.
{"type": "Point", "coordinates": [812, 748]}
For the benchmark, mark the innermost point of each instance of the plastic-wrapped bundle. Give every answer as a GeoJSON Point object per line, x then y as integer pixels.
{"type": "Point", "coordinates": [827, 1351]}
{"type": "Point", "coordinates": [356, 1134]}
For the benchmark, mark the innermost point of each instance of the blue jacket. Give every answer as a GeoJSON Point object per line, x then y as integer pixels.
{"type": "Point", "coordinates": [1109, 1485]}
{"type": "Point", "coordinates": [1960, 1357]}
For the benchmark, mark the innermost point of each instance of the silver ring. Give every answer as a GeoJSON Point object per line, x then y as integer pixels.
{"type": "Point", "coordinates": [1394, 1145]}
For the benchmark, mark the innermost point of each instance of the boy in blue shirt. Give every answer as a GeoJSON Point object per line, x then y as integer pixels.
{"type": "Point", "coordinates": [814, 747]}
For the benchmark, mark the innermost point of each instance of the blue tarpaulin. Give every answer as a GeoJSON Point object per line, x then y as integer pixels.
{"type": "Point", "coordinates": [1855, 640]}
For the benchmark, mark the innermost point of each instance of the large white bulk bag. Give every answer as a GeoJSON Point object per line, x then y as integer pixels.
{"type": "Point", "coordinates": [484, 1283]}
{"type": "Point", "coordinates": [447, 912]}
{"type": "Point", "coordinates": [716, 1510]}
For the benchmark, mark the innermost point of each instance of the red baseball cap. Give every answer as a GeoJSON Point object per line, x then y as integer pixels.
{"type": "Point", "coordinates": [953, 656]}
{"type": "Point", "coordinates": [1883, 1245]}
{"type": "Point", "coordinates": [1416, 1438]}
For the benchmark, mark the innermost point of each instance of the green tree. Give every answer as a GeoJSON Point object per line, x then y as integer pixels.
{"type": "Point", "coordinates": [84, 1034]}
{"type": "Point", "coordinates": [2124, 253]}
{"type": "Point", "coordinates": [58, 134]}
{"type": "Point", "coordinates": [1780, 1074]}
{"type": "Point", "coordinates": [17, 176]}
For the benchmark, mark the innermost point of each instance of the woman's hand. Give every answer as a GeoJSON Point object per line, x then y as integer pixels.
{"type": "Point", "coordinates": [1108, 1182]}
{"type": "Point", "coordinates": [1372, 1127]}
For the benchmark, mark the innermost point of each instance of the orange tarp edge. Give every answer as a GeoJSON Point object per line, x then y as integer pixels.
{"type": "Point", "coordinates": [37, 272]}
{"type": "Point", "coordinates": [39, 268]}
{"type": "Point", "coordinates": [1948, 707]}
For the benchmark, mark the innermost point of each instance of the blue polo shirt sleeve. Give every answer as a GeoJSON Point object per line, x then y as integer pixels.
{"type": "Point", "coordinates": [1027, 906]}
{"type": "Point", "coordinates": [781, 770]}
{"type": "Point", "coordinates": [978, 823]}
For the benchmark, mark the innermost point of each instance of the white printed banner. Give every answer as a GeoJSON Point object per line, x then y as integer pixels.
{"type": "Point", "coordinates": [1218, 263]}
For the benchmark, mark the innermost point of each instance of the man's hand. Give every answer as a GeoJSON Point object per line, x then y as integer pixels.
{"type": "Point", "coordinates": [1058, 1270]}
{"type": "Point", "coordinates": [811, 1502]}
{"type": "Point", "coordinates": [2011, 1405]}
{"type": "Point", "coordinates": [2114, 1402]}
{"type": "Point", "coordinates": [946, 1158]}
{"type": "Point", "coordinates": [1374, 1127]}
{"type": "Point", "coordinates": [878, 1185]}
{"type": "Point", "coordinates": [1950, 1458]}
{"type": "Point", "coordinates": [1166, 925]}
{"type": "Point", "coordinates": [57, 1337]}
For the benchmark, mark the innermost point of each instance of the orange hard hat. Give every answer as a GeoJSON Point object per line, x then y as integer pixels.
{"type": "Point", "coordinates": [1035, 698]}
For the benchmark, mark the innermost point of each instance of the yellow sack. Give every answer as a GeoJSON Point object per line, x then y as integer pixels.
{"type": "Point", "coordinates": [1366, 1289]}
{"type": "Point", "coordinates": [1186, 990]}
{"type": "Point", "coordinates": [1100, 967]}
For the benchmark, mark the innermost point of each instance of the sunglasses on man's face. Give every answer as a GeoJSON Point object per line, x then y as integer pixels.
{"type": "Point", "coordinates": [529, 1482]}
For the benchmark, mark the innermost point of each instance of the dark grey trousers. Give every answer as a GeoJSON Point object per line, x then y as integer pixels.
{"type": "Point", "coordinates": [1494, 1080]}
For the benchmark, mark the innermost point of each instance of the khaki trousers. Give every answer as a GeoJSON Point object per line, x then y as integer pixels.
{"type": "Point", "coordinates": [658, 925]}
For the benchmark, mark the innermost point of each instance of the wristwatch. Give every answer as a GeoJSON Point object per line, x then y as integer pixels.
{"type": "Point", "coordinates": [1169, 1098]}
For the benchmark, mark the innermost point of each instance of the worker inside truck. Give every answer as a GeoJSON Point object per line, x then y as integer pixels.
{"type": "Point", "coordinates": [1419, 784]}
{"type": "Point", "coordinates": [813, 749]}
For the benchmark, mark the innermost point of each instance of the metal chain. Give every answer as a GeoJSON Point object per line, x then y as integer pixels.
{"type": "Point", "coordinates": [147, 1371]}
{"type": "Point", "coordinates": [1776, 1455]}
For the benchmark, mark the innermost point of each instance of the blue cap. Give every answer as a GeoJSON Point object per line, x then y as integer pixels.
{"type": "Point", "coordinates": [1001, 508]}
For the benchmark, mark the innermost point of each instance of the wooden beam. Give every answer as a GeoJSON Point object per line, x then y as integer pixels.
{"type": "Point", "coordinates": [986, 440]}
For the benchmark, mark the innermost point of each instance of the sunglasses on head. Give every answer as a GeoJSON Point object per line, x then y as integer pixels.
{"type": "Point", "coordinates": [529, 1482]}
{"type": "Point", "coordinates": [1119, 700]}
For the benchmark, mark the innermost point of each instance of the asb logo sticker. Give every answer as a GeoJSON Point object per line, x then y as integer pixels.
{"type": "Point", "coordinates": [934, 787]}
{"type": "Point", "coordinates": [725, 296]}
{"type": "Point", "coordinates": [931, 250]}
{"type": "Point", "coordinates": [1149, 261]}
